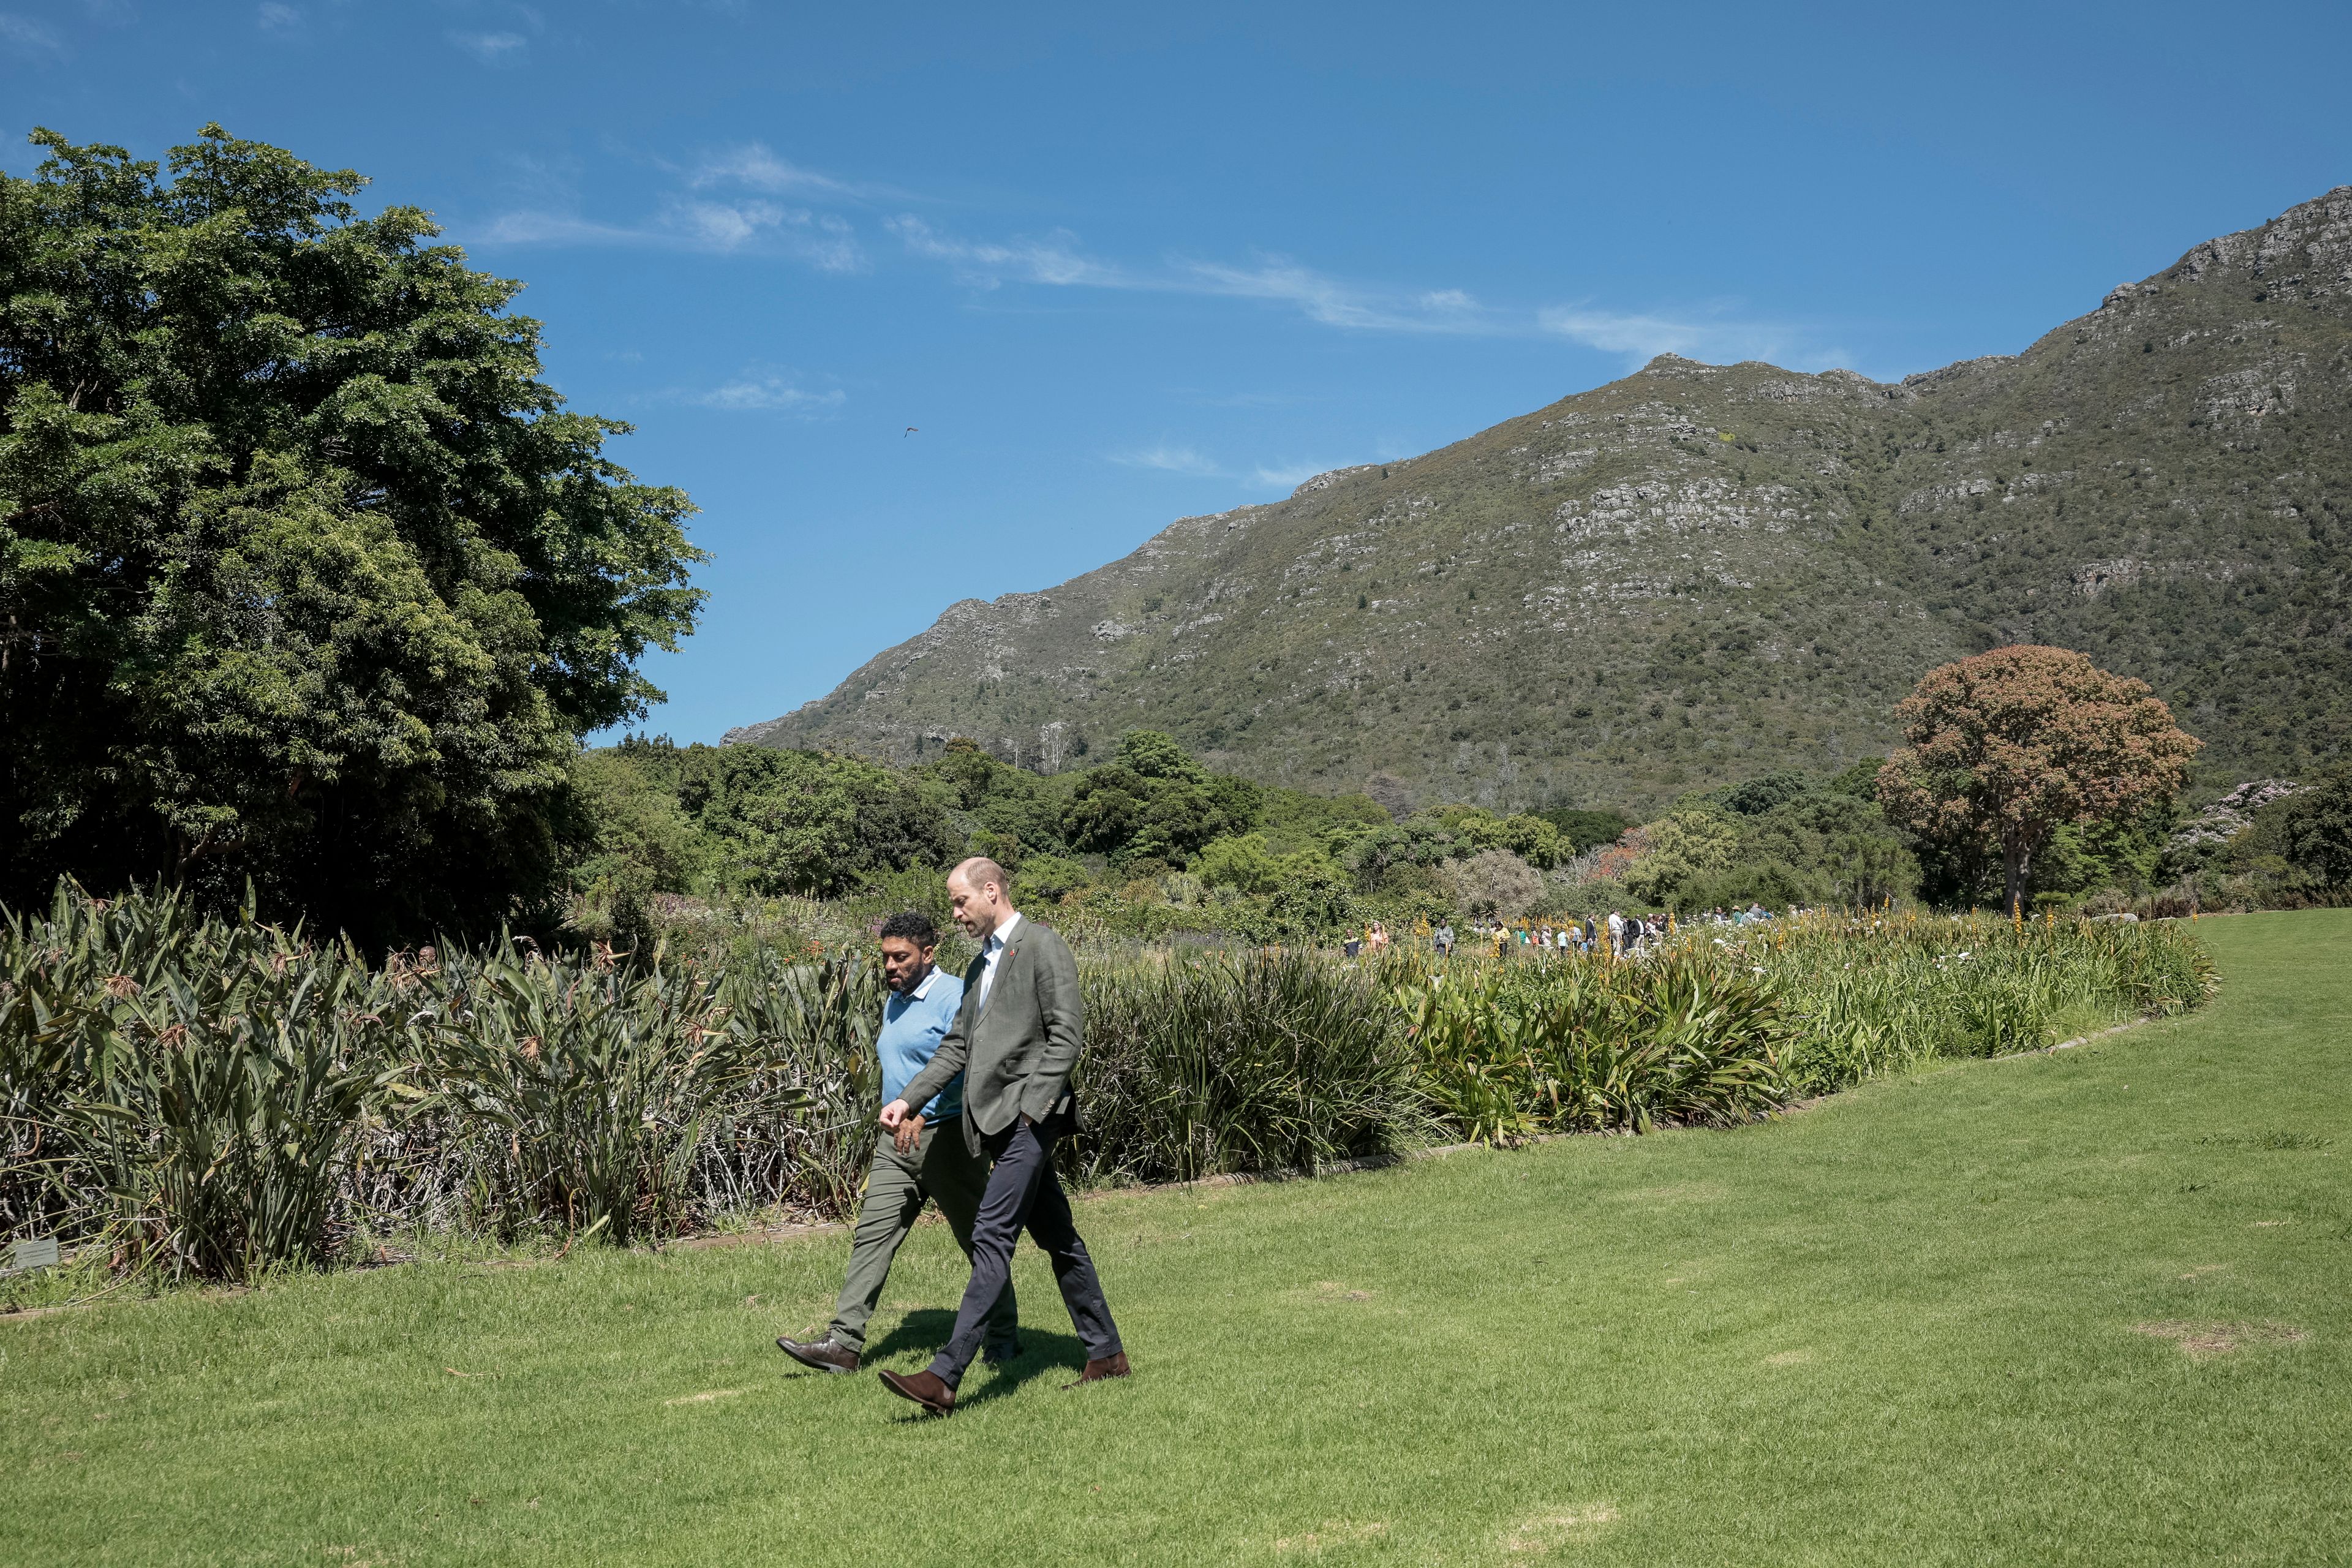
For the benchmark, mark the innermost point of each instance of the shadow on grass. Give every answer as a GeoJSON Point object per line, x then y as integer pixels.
{"type": "Point", "coordinates": [926, 1329]}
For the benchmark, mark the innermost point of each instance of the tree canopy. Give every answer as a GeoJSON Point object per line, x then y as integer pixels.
{"type": "Point", "coordinates": [2315, 830]}
{"type": "Point", "coordinates": [306, 575]}
{"type": "Point", "coordinates": [1495, 882]}
{"type": "Point", "coordinates": [804, 822]}
{"type": "Point", "coordinates": [2009, 746]}
{"type": "Point", "coordinates": [1155, 803]}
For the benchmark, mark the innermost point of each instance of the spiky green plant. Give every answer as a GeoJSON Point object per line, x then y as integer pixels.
{"type": "Point", "coordinates": [1872, 996]}
{"type": "Point", "coordinates": [1579, 1043]}
{"type": "Point", "coordinates": [200, 1079]}
{"type": "Point", "coordinates": [211, 1096]}
{"type": "Point", "coordinates": [598, 1079]}
{"type": "Point", "coordinates": [796, 1128]}
{"type": "Point", "coordinates": [1200, 1063]}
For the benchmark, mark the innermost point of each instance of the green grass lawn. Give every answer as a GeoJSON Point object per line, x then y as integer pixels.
{"type": "Point", "coordinates": [2084, 1307]}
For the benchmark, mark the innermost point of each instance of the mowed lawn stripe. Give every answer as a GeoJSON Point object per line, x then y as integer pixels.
{"type": "Point", "coordinates": [2088, 1307]}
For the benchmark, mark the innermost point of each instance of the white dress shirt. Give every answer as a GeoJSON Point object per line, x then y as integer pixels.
{"type": "Point", "coordinates": [991, 952]}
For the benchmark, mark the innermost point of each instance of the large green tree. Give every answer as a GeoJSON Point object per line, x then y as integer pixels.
{"type": "Point", "coordinates": [306, 575]}
{"type": "Point", "coordinates": [1156, 802]}
{"type": "Point", "coordinates": [807, 822]}
{"type": "Point", "coordinates": [2314, 829]}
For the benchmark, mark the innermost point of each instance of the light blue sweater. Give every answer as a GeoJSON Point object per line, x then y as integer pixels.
{"type": "Point", "coordinates": [912, 1027]}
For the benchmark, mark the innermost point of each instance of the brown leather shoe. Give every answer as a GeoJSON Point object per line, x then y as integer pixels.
{"type": "Point", "coordinates": [1112, 1365]}
{"type": "Point", "coordinates": [823, 1354]}
{"type": "Point", "coordinates": [924, 1388]}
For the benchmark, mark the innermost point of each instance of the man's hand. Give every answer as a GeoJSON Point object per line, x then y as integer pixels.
{"type": "Point", "coordinates": [893, 1113]}
{"type": "Point", "coordinates": [910, 1133]}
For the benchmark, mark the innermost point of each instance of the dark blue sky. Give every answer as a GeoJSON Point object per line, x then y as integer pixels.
{"type": "Point", "coordinates": [1121, 265]}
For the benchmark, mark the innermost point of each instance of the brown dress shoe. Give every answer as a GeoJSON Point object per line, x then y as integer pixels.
{"type": "Point", "coordinates": [823, 1354]}
{"type": "Point", "coordinates": [923, 1388]}
{"type": "Point", "coordinates": [1112, 1365]}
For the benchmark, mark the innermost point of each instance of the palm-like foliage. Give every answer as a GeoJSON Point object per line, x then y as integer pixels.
{"type": "Point", "coordinates": [798, 1123]}
{"type": "Point", "coordinates": [213, 1097]}
{"type": "Point", "coordinates": [1585, 1045]}
{"type": "Point", "coordinates": [1719, 1028]}
{"type": "Point", "coordinates": [1203, 1062]}
{"type": "Point", "coordinates": [199, 1081]}
{"type": "Point", "coordinates": [595, 1082]}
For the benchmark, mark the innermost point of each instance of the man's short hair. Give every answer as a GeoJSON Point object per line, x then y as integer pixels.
{"type": "Point", "coordinates": [980, 870]}
{"type": "Point", "coordinates": [912, 925]}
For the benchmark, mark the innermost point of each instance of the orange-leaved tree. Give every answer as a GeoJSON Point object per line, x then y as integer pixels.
{"type": "Point", "coordinates": [2006, 746]}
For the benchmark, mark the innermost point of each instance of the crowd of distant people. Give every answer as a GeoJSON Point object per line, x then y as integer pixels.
{"type": "Point", "coordinates": [1621, 933]}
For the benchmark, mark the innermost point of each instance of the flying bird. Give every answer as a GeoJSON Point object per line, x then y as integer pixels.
{"type": "Point", "coordinates": [910, 430]}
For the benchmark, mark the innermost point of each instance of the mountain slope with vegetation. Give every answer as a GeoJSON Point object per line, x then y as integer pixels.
{"type": "Point", "coordinates": [1701, 572]}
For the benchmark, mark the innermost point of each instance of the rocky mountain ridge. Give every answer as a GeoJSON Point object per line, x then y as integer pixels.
{"type": "Point", "coordinates": [1701, 572]}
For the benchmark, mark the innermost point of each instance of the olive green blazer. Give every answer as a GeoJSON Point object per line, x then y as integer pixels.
{"type": "Point", "coordinates": [1015, 1054]}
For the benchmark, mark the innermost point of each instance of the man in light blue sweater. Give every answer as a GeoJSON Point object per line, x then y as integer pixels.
{"type": "Point", "coordinates": [925, 1159]}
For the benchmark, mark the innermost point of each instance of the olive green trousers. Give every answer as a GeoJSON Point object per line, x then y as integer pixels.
{"type": "Point", "coordinates": [940, 1169]}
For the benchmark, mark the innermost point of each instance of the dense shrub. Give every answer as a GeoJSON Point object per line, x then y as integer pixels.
{"type": "Point", "coordinates": [188, 1090]}
{"type": "Point", "coordinates": [749, 819]}
{"type": "Point", "coordinates": [1874, 995]}
{"type": "Point", "coordinates": [1728, 1023]}
{"type": "Point", "coordinates": [1495, 882]}
{"type": "Point", "coordinates": [213, 1096]}
{"type": "Point", "coordinates": [2315, 832]}
{"type": "Point", "coordinates": [1205, 1062]}
{"type": "Point", "coordinates": [1577, 1043]}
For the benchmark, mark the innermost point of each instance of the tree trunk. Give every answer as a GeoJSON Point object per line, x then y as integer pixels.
{"type": "Point", "coordinates": [2013, 860]}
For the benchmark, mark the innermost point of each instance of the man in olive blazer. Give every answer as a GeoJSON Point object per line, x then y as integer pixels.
{"type": "Point", "coordinates": [1014, 1039]}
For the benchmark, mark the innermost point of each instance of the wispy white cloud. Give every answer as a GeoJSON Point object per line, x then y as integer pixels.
{"type": "Point", "coordinates": [273, 17]}
{"type": "Point", "coordinates": [709, 211]}
{"type": "Point", "coordinates": [1289, 477]}
{"type": "Point", "coordinates": [1716, 337]}
{"type": "Point", "coordinates": [23, 37]}
{"type": "Point", "coordinates": [1053, 260]}
{"type": "Point", "coordinates": [722, 204]}
{"type": "Point", "coordinates": [1192, 463]}
{"type": "Point", "coordinates": [532, 228]}
{"type": "Point", "coordinates": [769, 395]}
{"type": "Point", "coordinates": [1336, 303]}
{"type": "Point", "coordinates": [1717, 334]}
{"type": "Point", "coordinates": [755, 165]}
{"type": "Point", "coordinates": [824, 241]}
{"type": "Point", "coordinates": [725, 225]}
{"type": "Point", "coordinates": [1171, 460]}
{"type": "Point", "coordinates": [1057, 262]}
{"type": "Point", "coordinates": [491, 49]}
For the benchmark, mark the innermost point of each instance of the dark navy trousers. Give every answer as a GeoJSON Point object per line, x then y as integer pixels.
{"type": "Point", "coordinates": [1023, 1192]}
